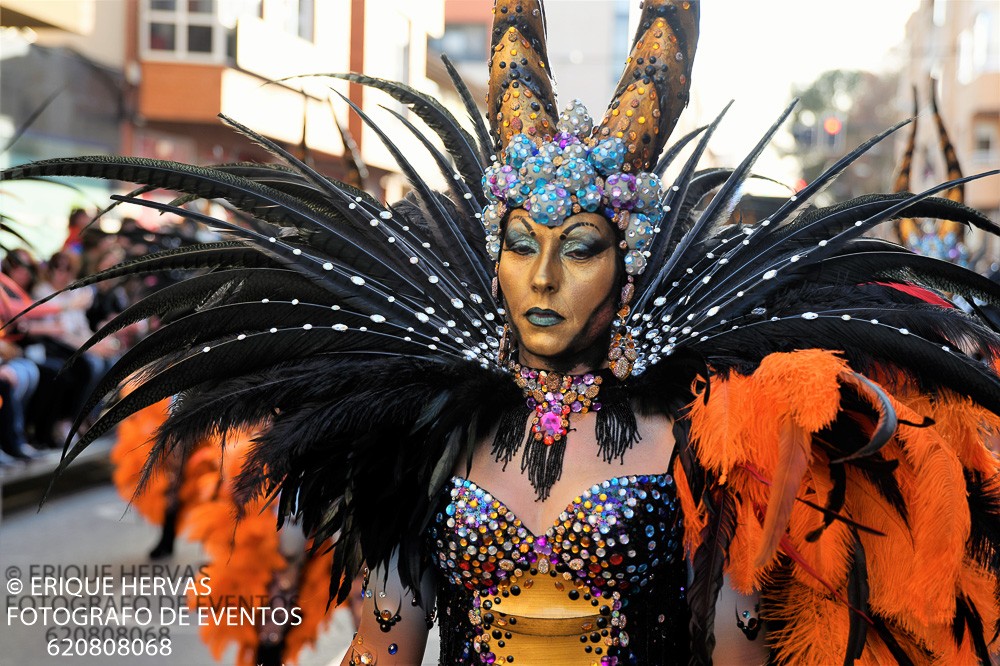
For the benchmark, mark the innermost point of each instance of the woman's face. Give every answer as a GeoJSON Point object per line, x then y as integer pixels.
{"type": "Point", "coordinates": [22, 276]}
{"type": "Point", "coordinates": [558, 285]}
{"type": "Point", "coordinates": [19, 266]}
{"type": "Point", "coordinates": [61, 273]}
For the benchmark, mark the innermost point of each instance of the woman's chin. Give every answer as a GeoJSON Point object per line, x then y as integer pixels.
{"type": "Point", "coordinates": [545, 345]}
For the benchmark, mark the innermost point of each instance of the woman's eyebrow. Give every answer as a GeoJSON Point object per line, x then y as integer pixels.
{"type": "Point", "coordinates": [575, 225]}
{"type": "Point", "coordinates": [527, 227]}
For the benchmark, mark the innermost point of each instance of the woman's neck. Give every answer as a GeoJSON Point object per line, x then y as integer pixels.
{"type": "Point", "coordinates": [577, 364]}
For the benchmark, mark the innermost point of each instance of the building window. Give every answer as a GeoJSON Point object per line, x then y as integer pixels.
{"type": "Point", "coordinates": [199, 39]}
{"type": "Point", "coordinates": [201, 6]}
{"type": "Point", "coordinates": [463, 42]}
{"type": "Point", "coordinates": [162, 36]}
{"type": "Point", "coordinates": [183, 28]}
{"type": "Point", "coordinates": [985, 143]}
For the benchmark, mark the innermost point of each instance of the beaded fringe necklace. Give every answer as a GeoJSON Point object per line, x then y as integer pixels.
{"type": "Point", "coordinates": [552, 399]}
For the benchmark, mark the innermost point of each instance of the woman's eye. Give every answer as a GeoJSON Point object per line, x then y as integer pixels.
{"type": "Point", "coordinates": [519, 246]}
{"type": "Point", "coordinates": [581, 250]}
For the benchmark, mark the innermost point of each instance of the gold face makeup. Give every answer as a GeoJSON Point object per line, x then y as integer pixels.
{"type": "Point", "coordinates": [559, 288]}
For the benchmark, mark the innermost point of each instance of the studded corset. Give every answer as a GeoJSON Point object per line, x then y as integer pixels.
{"type": "Point", "coordinates": [605, 584]}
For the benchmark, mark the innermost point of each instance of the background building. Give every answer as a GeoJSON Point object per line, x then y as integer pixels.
{"type": "Point", "coordinates": [150, 77]}
{"type": "Point", "coordinates": [587, 46]}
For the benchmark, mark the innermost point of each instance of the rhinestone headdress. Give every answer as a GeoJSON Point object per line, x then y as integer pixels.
{"type": "Point", "coordinates": [573, 173]}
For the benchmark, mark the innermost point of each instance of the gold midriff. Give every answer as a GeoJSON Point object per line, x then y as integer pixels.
{"type": "Point", "coordinates": [541, 624]}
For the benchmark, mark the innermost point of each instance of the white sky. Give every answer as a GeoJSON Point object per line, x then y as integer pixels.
{"type": "Point", "coordinates": [754, 50]}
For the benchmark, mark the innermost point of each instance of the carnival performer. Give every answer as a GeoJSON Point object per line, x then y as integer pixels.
{"type": "Point", "coordinates": [563, 405]}
{"type": "Point", "coordinates": [944, 239]}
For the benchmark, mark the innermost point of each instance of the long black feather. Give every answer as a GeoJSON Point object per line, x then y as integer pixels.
{"type": "Point", "coordinates": [967, 616]}
{"type": "Point", "coordinates": [228, 286]}
{"type": "Point", "coordinates": [857, 597]}
{"type": "Point", "coordinates": [207, 255]}
{"type": "Point", "coordinates": [461, 193]}
{"type": "Point", "coordinates": [707, 565]}
{"type": "Point", "coordinates": [30, 120]}
{"type": "Point", "coordinates": [984, 508]}
{"type": "Point", "coordinates": [885, 426]}
{"type": "Point", "coordinates": [465, 255]}
{"type": "Point", "coordinates": [486, 147]}
{"type": "Point", "coordinates": [459, 143]}
{"type": "Point", "coordinates": [671, 152]}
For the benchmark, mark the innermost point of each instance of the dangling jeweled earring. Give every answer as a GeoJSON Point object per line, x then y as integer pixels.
{"type": "Point", "coordinates": [623, 353]}
{"type": "Point", "coordinates": [506, 351]}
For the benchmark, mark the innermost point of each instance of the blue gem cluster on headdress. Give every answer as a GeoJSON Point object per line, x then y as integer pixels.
{"type": "Point", "coordinates": [573, 173]}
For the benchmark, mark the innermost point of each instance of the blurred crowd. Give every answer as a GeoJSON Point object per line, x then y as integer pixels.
{"type": "Point", "coordinates": [42, 395]}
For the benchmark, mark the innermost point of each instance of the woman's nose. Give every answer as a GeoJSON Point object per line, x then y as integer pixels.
{"type": "Point", "coordinates": [547, 273]}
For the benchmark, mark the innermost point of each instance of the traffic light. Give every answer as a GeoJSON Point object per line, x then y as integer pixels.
{"type": "Point", "coordinates": [833, 132]}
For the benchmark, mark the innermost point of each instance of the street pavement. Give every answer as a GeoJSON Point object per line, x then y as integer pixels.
{"type": "Point", "coordinates": [93, 530]}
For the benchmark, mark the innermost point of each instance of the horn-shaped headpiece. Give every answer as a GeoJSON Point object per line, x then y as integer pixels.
{"type": "Point", "coordinates": [558, 168]}
{"type": "Point", "coordinates": [520, 98]}
{"type": "Point", "coordinates": [653, 90]}
{"type": "Point", "coordinates": [943, 239]}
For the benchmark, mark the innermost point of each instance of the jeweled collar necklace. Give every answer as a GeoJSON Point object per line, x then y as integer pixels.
{"type": "Point", "coordinates": [552, 400]}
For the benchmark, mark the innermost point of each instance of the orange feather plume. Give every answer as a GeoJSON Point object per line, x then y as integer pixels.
{"type": "Point", "coordinates": [757, 434]}
{"type": "Point", "coordinates": [129, 454]}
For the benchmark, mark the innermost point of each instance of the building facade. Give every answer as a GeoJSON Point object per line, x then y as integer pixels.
{"type": "Point", "coordinates": [150, 77]}
{"type": "Point", "coordinates": [587, 46]}
{"type": "Point", "coordinates": [957, 45]}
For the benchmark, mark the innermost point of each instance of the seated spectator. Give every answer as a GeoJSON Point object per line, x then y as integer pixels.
{"type": "Point", "coordinates": [21, 268]}
{"type": "Point", "coordinates": [110, 296]}
{"type": "Point", "coordinates": [61, 395]}
{"type": "Point", "coordinates": [78, 220]}
{"type": "Point", "coordinates": [19, 378]}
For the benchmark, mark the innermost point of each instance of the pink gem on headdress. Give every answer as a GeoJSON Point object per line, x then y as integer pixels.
{"type": "Point", "coordinates": [501, 180]}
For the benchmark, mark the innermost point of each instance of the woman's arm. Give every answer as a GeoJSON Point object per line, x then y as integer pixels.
{"type": "Point", "coordinates": [394, 628]}
{"type": "Point", "coordinates": [735, 644]}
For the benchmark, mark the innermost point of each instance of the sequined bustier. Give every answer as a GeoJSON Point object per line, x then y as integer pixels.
{"type": "Point", "coordinates": [604, 585]}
